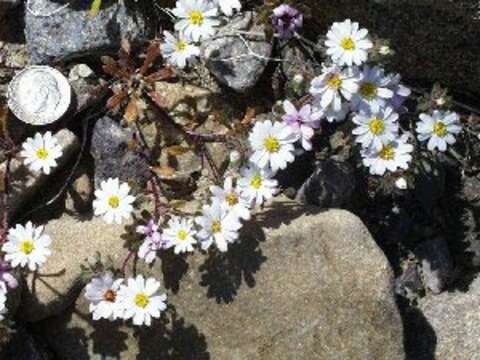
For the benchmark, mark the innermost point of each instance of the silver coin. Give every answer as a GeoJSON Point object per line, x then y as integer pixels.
{"type": "Point", "coordinates": [39, 95]}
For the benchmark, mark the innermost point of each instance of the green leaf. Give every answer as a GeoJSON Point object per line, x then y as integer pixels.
{"type": "Point", "coordinates": [95, 7]}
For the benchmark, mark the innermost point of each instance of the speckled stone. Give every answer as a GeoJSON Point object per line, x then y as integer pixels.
{"type": "Point", "coordinates": [302, 284]}
{"type": "Point", "coordinates": [72, 32]}
{"type": "Point", "coordinates": [112, 157]}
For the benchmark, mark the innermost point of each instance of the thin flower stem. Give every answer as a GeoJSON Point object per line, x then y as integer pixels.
{"type": "Point", "coordinates": [127, 259]}
{"type": "Point", "coordinates": [5, 196]}
{"type": "Point", "coordinates": [211, 163]}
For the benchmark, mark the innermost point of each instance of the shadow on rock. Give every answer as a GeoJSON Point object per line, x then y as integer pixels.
{"type": "Point", "coordinates": [420, 339]}
{"type": "Point", "coordinates": [174, 267]}
{"type": "Point", "coordinates": [224, 273]}
{"type": "Point", "coordinates": [172, 339]}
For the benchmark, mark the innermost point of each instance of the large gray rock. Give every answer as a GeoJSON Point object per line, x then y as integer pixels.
{"type": "Point", "coordinates": [446, 326]}
{"type": "Point", "coordinates": [71, 32]}
{"type": "Point", "coordinates": [113, 158]}
{"type": "Point", "coordinates": [56, 285]}
{"type": "Point", "coordinates": [298, 286]}
{"type": "Point", "coordinates": [230, 60]}
{"type": "Point", "coordinates": [25, 184]}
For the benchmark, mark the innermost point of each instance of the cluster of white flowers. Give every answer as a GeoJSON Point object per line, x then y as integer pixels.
{"type": "Point", "coordinates": [137, 299]}
{"type": "Point", "coordinates": [375, 99]}
{"type": "Point", "coordinates": [196, 20]}
{"type": "Point", "coordinates": [347, 85]}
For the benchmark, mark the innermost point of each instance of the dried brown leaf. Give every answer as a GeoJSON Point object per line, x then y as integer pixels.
{"type": "Point", "coordinates": [131, 112]}
{"type": "Point", "coordinates": [116, 100]}
{"type": "Point", "coordinates": [153, 52]}
{"type": "Point", "coordinates": [177, 150]}
{"type": "Point", "coordinates": [164, 171]}
{"type": "Point", "coordinates": [160, 75]}
{"type": "Point", "coordinates": [249, 117]}
{"type": "Point", "coordinates": [116, 71]}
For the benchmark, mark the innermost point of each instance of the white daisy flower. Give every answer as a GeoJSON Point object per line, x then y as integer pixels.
{"type": "Point", "coordinates": [376, 128]}
{"type": "Point", "coordinates": [197, 19]}
{"type": "Point", "coordinates": [347, 44]}
{"type": "Point", "coordinates": [41, 152]}
{"type": "Point", "coordinates": [439, 129]}
{"type": "Point", "coordinates": [228, 7]}
{"type": "Point", "coordinates": [272, 145]}
{"type": "Point", "coordinates": [231, 198]}
{"type": "Point", "coordinates": [257, 185]}
{"type": "Point", "coordinates": [139, 300]}
{"type": "Point", "coordinates": [3, 303]}
{"type": "Point", "coordinates": [392, 156]}
{"type": "Point", "coordinates": [113, 201]}
{"type": "Point", "coordinates": [27, 246]}
{"type": "Point", "coordinates": [180, 234]}
{"type": "Point", "coordinates": [334, 85]}
{"type": "Point", "coordinates": [373, 92]}
{"type": "Point", "coordinates": [177, 51]}
{"type": "Point", "coordinates": [101, 292]}
{"type": "Point", "coordinates": [334, 116]}
{"type": "Point", "coordinates": [218, 225]}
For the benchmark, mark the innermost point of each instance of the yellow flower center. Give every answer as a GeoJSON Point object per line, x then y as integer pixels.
{"type": "Point", "coordinates": [181, 45]}
{"type": "Point", "coordinates": [348, 44]}
{"type": "Point", "coordinates": [335, 82]}
{"type": "Point", "coordinates": [182, 234]}
{"type": "Point", "coordinates": [232, 199]}
{"type": "Point", "coordinates": [196, 18]}
{"type": "Point", "coordinates": [27, 246]}
{"type": "Point", "coordinates": [440, 129]}
{"type": "Point", "coordinates": [376, 126]}
{"type": "Point", "coordinates": [216, 227]}
{"type": "Point", "coordinates": [256, 181]}
{"type": "Point", "coordinates": [387, 152]}
{"type": "Point", "coordinates": [141, 300]}
{"type": "Point", "coordinates": [272, 145]}
{"type": "Point", "coordinates": [109, 295]}
{"type": "Point", "coordinates": [114, 201]}
{"type": "Point", "coordinates": [368, 90]}
{"type": "Point", "coordinates": [42, 153]}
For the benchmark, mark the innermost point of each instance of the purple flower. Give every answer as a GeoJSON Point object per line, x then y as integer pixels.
{"type": "Point", "coordinates": [400, 93]}
{"type": "Point", "coordinates": [7, 280]}
{"type": "Point", "coordinates": [286, 20]}
{"type": "Point", "coordinates": [148, 250]}
{"type": "Point", "coordinates": [302, 122]}
{"type": "Point", "coordinates": [150, 230]}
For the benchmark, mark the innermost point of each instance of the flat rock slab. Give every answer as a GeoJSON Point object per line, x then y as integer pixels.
{"type": "Point", "coordinates": [55, 32]}
{"type": "Point", "coordinates": [302, 284]}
